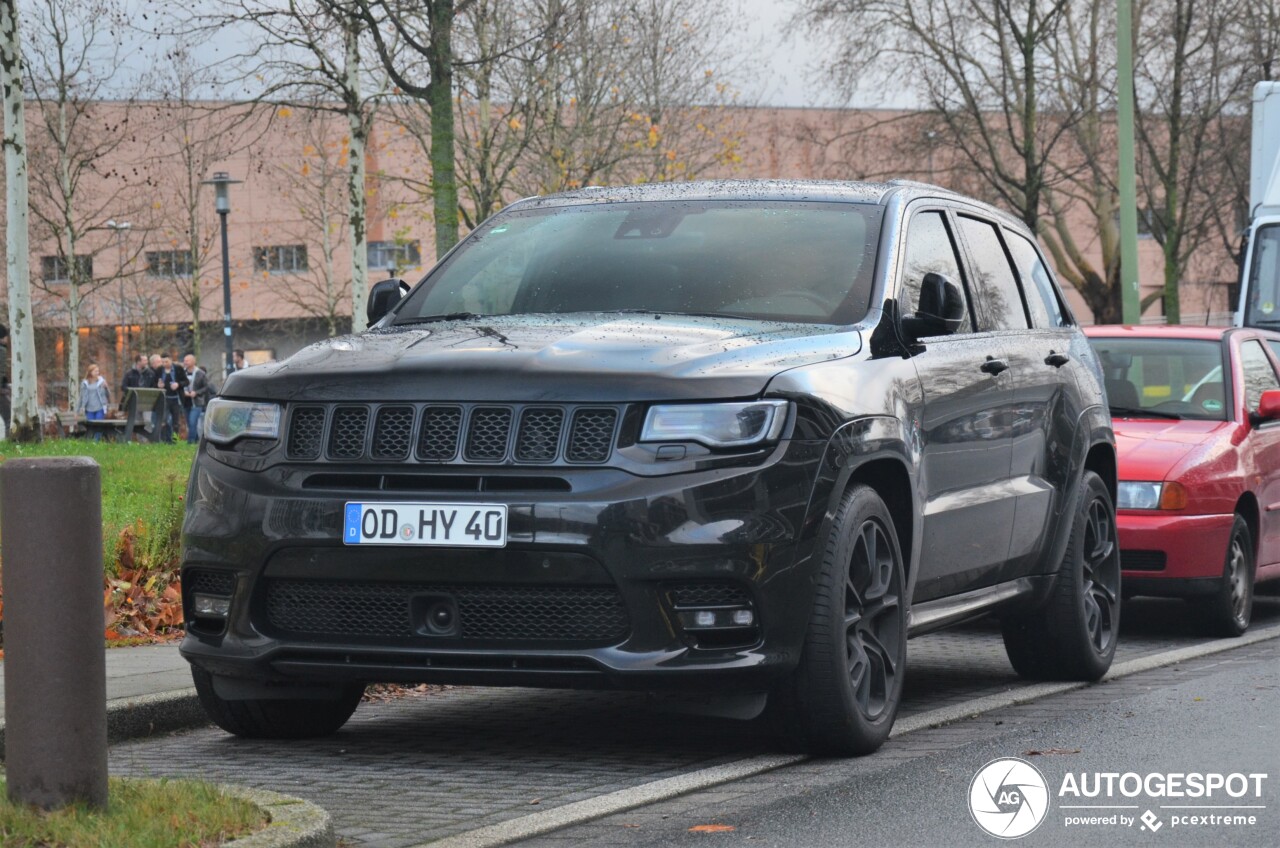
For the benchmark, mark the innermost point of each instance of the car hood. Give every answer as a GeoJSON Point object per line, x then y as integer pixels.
{"type": "Point", "coordinates": [604, 358]}
{"type": "Point", "coordinates": [1150, 450]}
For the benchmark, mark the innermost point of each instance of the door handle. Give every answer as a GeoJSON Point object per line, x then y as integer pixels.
{"type": "Point", "coordinates": [1057, 360]}
{"type": "Point", "coordinates": [994, 366]}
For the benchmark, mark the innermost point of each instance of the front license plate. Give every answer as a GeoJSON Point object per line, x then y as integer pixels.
{"type": "Point", "coordinates": [455, 525]}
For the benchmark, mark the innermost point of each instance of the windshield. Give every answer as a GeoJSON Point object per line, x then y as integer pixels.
{"type": "Point", "coordinates": [809, 262]}
{"type": "Point", "coordinates": [1163, 378]}
{"type": "Point", "coordinates": [1263, 306]}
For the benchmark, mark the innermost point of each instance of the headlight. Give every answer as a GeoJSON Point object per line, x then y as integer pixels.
{"type": "Point", "coordinates": [1139, 495]}
{"type": "Point", "coordinates": [716, 425]}
{"type": "Point", "coordinates": [228, 420]}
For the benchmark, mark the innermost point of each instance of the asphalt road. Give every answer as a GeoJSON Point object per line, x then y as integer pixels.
{"type": "Point", "coordinates": [412, 770]}
{"type": "Point", "coordinates": [1217, 714]}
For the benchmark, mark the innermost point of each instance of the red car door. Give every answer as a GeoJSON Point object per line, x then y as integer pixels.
{"type": "Point", "coordinates": [1257, 374]}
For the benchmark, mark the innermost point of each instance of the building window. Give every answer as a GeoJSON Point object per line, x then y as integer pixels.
{"type": "Point", "coordinates": [169, 263]}
{"type": "Point", "coordinates": [54, 269]}
{"type": "Point", "coordinates": [280, 258]}
{"type": "Point", "coordinates": [394, 255]}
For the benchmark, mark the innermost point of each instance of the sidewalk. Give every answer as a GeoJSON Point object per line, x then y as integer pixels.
{"type": "Point", "coordinates": [149, 692]}
{"type": "Point", "coordinates": [134, 672]}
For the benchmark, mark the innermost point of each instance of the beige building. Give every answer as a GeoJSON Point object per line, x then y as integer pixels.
{"type": "Point", "coordinates": [290, 258]}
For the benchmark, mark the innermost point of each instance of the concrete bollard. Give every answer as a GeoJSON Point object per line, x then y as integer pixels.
{"type": "Point", "coordinates": [55, 675]}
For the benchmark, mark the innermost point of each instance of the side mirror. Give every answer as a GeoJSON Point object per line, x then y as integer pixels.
{"type": "Point", "coordinates": [383, 297]}
{"type": "Point", "coordinates": [941, 309]}
{"type": "Point", "coordinates": [1269, 406]}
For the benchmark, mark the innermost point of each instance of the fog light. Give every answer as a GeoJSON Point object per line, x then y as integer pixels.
{"type": "Point", "coordinates": [744, 618]}
{"type": "Point", "coordinates": [212, 606]}
{"type": "Point", "coordinates": [705, 618]}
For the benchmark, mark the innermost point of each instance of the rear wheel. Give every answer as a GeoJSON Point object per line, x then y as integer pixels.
{"type": "Point", "coordinates": [1073, 636]}
{"type": "Point", "coordinates": [276, 718]}
{"type": "Point", "coordinates": [844, 696]}
{"type": "Point", "coordinates": [1229, 611]}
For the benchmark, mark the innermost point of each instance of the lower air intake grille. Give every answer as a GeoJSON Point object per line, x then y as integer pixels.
{"type": "Point", "coordinates": [208, 582]}
{"type": "Point", "coordinates": [1142, 560]}
{"type": "Point", "coordinates": [588, 614]}
{"type": "Point", "coordinates": [709, 595]}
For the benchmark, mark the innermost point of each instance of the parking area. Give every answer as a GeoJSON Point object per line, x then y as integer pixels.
{"type": "Point", "coordinates": [406, 771]}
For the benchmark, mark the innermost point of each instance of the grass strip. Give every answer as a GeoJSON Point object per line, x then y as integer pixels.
{"type": "Point", "coordinates": [139, 814]}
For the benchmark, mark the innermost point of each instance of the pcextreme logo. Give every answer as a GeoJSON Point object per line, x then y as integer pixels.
{"type": "Point", "coordinates": [1008, 798]}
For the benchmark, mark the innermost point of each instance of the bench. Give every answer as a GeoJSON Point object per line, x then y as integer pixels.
{"type": "Point", "coordinates": [139, 404]}
{"type": "Point", "coordinates": [71, 426]}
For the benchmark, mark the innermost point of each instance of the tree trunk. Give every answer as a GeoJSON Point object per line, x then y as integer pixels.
{"type": "Point", "coordinates": [444, 184]}
{"type": "Point", "coordinates": [356, 216]}
{"type": "Point", "coordinates": [24, 419]}
{"type": "Point", "coordinates": [73, 267]}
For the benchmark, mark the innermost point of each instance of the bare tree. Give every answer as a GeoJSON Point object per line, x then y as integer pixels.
{"type": "Point", "coordinates": [309, 54]}
{"type": "Point", "coordinates": [24, 419]}
{"type": "Point", "coordinates": [315, 184]}
{"type": "Point", "coordinates": [72, 57]}
{"type": "Point", "coordinates": [979, 65]}
{"type": "Point", "coordinates": [1183, 80]}
{"type": "Point", "coordinates": [195, 136]}
{"type": "Point", "coordinates": [1084, 187]}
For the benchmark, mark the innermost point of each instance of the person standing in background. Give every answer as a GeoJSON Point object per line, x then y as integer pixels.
{"type": "Point", "coordinates": [174, 381]}
{"type": "Point", "coordinates": [94, 397]}
{"type": "Point", "coordinates": [199, 390]}
{"type": "Point", "coordinates": [153, 382]}
{"type": "Point", "coordinates": [237, 361]}
{"type": "Point", "coordinates": [137, 377]}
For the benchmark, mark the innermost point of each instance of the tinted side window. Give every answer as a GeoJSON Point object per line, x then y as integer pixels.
{"type": "Point", "coordinates": [1275, 347]}
{"type": "Point", "coordinates": [1259, 376]}
{"type": "Point", "coordinates": [929, 250]}
{"type": "Point", "coordinates": [1037, 285]}
{"type": "Point", "coordinates": [994, 281]}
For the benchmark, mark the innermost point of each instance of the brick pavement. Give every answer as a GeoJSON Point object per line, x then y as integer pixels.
{"type": "Point", "coordinates": [419, 768]}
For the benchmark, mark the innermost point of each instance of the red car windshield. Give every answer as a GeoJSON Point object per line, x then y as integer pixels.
{"type": "Point", "coordinates": [1163, 378]}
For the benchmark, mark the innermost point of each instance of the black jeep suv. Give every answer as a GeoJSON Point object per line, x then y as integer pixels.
{"type": "Point", "coordinates": [724, 437]}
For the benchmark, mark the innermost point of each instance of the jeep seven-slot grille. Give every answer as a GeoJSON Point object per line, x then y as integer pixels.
{"type": "Point", "coordinates": [587, 614]}
{"type": "Point", "coordinates": [453, 433]}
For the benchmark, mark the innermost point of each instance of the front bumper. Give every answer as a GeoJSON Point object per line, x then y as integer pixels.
{"type": "Point", "coordinates": [1162, 554]}
{"type": "Point", "coordinates": [621, 546]}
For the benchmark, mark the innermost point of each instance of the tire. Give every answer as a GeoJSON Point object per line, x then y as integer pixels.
{"type": "Point", "coordinates": [1073, 636]}
{"type": "Point", "coordinates": [275, 718]}
{"type": "Point", "coordinates": [1228, 612]}
{"type": "Point", "coordinates": [843, 697]}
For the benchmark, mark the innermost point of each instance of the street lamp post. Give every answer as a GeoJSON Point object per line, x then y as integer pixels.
{"type": "Point", "coordinates": [220, 181]}
{"type": "Point", "coordinates": [120, 228]}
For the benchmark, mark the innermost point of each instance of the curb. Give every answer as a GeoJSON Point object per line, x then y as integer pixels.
{"type": "Point", "coordinates": [556, 818]}
{"type": "Point", "coordinates": [147, 715]}
{"type": "Point", "coordinates": [294, 823]}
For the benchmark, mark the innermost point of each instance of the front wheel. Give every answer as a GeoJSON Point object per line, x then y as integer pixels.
{"type": "Point", "coordinates": [843, 698]}
{"type": "Point", "coordinates": [1073, 636]}
{"type": "Point", "coordinates": [275, 718]}
{"type": "Point", "coordinates": [1230, 609]}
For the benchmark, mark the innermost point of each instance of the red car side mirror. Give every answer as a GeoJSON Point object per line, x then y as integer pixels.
{"type": "Point", "coordinates": [1269, 405]}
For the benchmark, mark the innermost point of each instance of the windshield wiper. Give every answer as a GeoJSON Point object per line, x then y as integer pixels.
{"type": "Point", "coordinates": [448, 316]}
{"type": "Point", "coordinates": [1264, 322]}
{"type": "Point", "coordinates": [1139, 412]}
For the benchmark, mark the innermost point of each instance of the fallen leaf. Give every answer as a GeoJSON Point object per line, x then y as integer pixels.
{"type": "Point", "coordinates": [631, 825]}
{"type": "Point", "coordinates": [1037, 753]}
{"type": "Point", "coordinates": [712, 828]}
{"type": "Point", "coordinates": [536, 801]}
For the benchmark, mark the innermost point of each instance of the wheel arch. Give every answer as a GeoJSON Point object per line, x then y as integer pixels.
{"type": "Point", "coordinates": [1248, 509]}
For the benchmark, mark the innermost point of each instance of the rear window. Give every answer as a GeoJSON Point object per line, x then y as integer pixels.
{"type": "Point", "coordinates": [809, 262]}
{"type": "Point", "coordinates": [1174, 377]}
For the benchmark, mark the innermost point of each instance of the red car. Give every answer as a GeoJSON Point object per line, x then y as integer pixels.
{"type": "Point", "coordinates": [1196, 412]}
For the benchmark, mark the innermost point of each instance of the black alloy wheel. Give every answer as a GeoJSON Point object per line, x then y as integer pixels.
{"type": "Point", "coordinates": [1101, 576]}
{"type": "Point", "coordinates": [843, 697]}
{"type": "Point", "coordinates": [1073, 635]}
{"type": "Point", "coordinates": [873, 620]}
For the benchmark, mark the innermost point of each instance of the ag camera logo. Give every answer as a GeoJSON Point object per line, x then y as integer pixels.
{"type": "Point", "coordinates": [1008, 798]}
